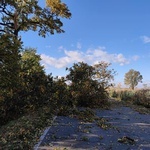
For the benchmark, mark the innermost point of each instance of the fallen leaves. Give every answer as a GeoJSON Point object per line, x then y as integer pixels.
{"type": "Point", "coordinates": [24, 132]}
{"type": "Point", "coordinates": [126, 140]}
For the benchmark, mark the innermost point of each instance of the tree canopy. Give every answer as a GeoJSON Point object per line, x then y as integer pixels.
{"type": "Point", "coordinates": [88, 84]}
{"type": "Point", "coordinates": [59, 8]}
{"type": "Point", "coordinates": [24, 15]}
{"type": "Point", "coordinates": [103, 74]}
{"type": "Point", "coordinates": [10, 48]}
{"type": "Point", "coordinates": [132, 78]}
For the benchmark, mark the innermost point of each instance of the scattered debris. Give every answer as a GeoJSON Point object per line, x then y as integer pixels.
{"type": "Point", "coordinates": [126, 140]}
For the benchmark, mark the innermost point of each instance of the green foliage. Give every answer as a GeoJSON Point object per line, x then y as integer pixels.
{"type": "Point", "coordinates": [103, 74]}
{"type": "Point", "coordinates": [30, 62]}
{"type": "Point", "coordinates": [18, 15]}
{"type": "Point", "coordinates": [34, 81]}
{"type": "Point", "coordinates": [34, 89]}
{"type": "Point", "coordinates": [86, 115]}
{"type": "Point", "coordinates": [142, 97]}
{"type": "Point", "coordinates": [89, 83]}
{"type": "Point", "coordinates": [24, 86]}
{"type": "Point", "coordinates": [132, 78]}
{"type": "Point", "coordinates": [124, 95]}
{"type": "Point", "coordinates": [114, 94]}
{"type": "Point", "coordinates": [103, 123]}
{"type": "Point", "coordinates": [59, 8]}
{"type": "Point", "coordinates": [24, 132]}
{"type": "Point", "coordinates": [10, 48]}
{"type": "Point", "coordinates": [38, 90]}
{"type": "Point", "coordinates": [23, 83]}
{"type": "Point", "coordinates": [138, 97]}
{"type": "Point", "coordinates": [61, 96]}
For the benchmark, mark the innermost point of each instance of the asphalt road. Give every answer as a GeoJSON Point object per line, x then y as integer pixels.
{"type": "Point", "coordinates": [129, 130]}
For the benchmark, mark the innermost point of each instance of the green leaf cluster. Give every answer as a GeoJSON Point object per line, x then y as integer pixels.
{"type": "Point", "coordinates": [132, 78]}
{"type": "Point", "coordinates": [10, 56]}
{"type": "Point", "coordinates": [59, 8]}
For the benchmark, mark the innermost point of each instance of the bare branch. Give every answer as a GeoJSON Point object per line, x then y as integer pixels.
{"type": "Point", "coordinates": [2, 31]}
{"type": "Point", "coordinates": [5, 24]}
{"type": "Point", "coordinates": [5, 11]}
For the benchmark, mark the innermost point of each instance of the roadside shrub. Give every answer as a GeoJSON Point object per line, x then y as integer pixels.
{"type": "Point", "coordinates": [114, 94]}
{"type": "Point", "coordinates": [88, 95]}
{"type": "Point", "coordinates": [11, 107]}
{"type": "Point", "coordinates": [61, 96]}
{"type": "Point", "coordinates": [139, 97]}
{"type": "Point", "coordinates": [88, 84]}
{"type": "Point", "coordinates": [142, 97]}
{"type": "Point", "coordinates": [15, 103]}
{"type": "Point", "coordinates": [126, 95]}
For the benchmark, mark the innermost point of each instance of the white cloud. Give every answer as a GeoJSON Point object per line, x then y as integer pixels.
{"type": "Point", "coordinates": [119, 58]}
{"type": "Point", "coordinates": [48, 61]}
{"type": "Point", "coordinates": [74, 55]}
{"type": "Point", "coordinates": [90, 56]}
{"type": "Point", "coordinates": [101, 55]}
{"type": "Point", "coordinates": [145, 39]}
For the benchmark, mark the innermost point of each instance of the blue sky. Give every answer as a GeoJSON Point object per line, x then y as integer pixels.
{"type": "Point", "coordinates": [115, 31]}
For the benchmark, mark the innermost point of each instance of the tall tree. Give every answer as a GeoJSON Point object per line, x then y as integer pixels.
{"type": "Point", "coordinates": [132, 78]}
{"type": "Point", "coordinates": [24, 15]}
{"type": "Point", "coordinates": [17, 16]}
{"type": "Point", "coordinates": [103, 74]}
{"type": "Point", "coordinates": [81, 89]}
{"type": "Point", "coordinates": [89, 83]}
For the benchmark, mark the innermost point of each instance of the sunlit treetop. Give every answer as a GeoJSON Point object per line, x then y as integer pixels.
{"type": "Point", "coordinates": [24, 15]}
{"type": "Point", "coordinates": [59, 8]}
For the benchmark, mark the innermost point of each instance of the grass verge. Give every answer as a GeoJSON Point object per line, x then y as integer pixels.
{"type": "Point", "coordinates": [24, 132]}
